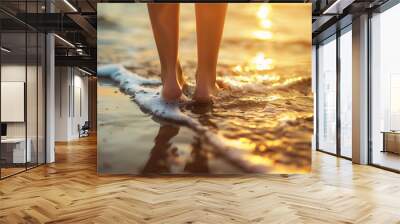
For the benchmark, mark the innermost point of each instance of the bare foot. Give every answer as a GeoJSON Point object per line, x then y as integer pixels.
{"type": "Point", "coordinates": [204, 93]}
{"type": "Point", "coordinates": [171, 90]}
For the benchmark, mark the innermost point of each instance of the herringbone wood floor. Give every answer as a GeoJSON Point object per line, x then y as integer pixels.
{"type": "Point", "coordinates": [70, 191]}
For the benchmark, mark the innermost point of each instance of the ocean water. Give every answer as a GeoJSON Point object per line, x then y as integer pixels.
{"type": "Point", "coordinates": [261, 121]}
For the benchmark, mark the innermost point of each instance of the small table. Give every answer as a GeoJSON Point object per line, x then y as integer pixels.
{"type": "Point", "coordinates": [19, 155]}
{"type": "Point", "coordinates": [391, 141]}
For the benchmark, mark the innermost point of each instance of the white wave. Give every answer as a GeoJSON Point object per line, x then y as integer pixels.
{"type": "Point", "coordinates": [149, 99]}
{"type": "Point", "coordinates": [146, 97]}
{"type": "Point", "coordinates": [125, 78]}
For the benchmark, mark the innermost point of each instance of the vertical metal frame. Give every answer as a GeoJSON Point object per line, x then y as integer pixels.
{"type": "Point", "coordinates": [369, 77]}
{"type": "Point", "coordinates": [338, 76]}
{"type": "Point", "coordinates": [26, 86]}
{"type": "Point", "coordinates": [316, 97]}
{"type": "Point", "coordinates": [0, 94]}
{"type": "Point", "coordinates": [45, 98]}
{"type": "Point", "coordinates": [45, 90]}
{"type": "Point", "coordinates": [37, 91]}
{"type": "Point", "coordinates": [73, 91]}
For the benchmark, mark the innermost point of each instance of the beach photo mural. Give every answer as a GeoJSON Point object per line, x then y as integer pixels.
{"type": "Point", "coordinates": [197, 89]}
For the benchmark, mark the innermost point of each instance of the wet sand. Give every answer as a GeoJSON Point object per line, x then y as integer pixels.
{"type": "Point", "coordinates": [133, 142]}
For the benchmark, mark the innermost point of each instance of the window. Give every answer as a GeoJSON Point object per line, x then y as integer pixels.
{"type": "Point", "coordinates": [327, 95]}
{"type": "Point", "coordinates": [385, 89]}
{"type": "Point", "coordinates": [346, 93]}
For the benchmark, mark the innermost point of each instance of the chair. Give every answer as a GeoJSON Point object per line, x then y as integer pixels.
{"type": "Point", "coordinates": [84, 130]}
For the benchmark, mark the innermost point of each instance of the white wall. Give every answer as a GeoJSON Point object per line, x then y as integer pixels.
{"type": "Point", "coordinates": [33, 126]}
{"type": "Point", "coordinates": [12, 73]}
{"type": "Point", "coordinates": [62, 81]}
{"type": "Point", "coordinates": [71, 94]}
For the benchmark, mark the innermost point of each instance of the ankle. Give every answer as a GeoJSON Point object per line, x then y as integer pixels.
{"type": "Point", "coordinates": [171, 90]}
{"type": "Point", "coordinates": [205, 80]}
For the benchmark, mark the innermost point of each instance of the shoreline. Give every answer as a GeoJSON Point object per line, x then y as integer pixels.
{"type": "Point", "coordinates": [153, 143]}
{"type": "Point", "coordinates": [228, 149]}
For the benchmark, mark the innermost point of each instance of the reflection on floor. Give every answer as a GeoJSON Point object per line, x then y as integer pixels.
{"type": "Point", "coordinates": [71, 191]}
{"type": "Point", "coordinates": [387, 159]}
{"type": "Point", "coordinates": [10, 171]}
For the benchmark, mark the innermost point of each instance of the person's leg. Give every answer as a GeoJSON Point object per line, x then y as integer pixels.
{"type": "Point", "coordinates": [165, 23]}
{"type": "Point", "coordinates": [210, 19]}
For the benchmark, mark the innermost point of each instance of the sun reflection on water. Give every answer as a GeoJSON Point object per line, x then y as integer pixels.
{"type": "Point", "coordinates": [258, 63]}
{"type": "Point", "coordinates": [262, 34]}
{"type": "Point", "coordinates": [255, 72]}
{"type": "Point", "coordinates": [262, 63]}
{"type": "Point", "coordinates": [263, 11]}
{"type": "Point", "coordinates": [265, 23]}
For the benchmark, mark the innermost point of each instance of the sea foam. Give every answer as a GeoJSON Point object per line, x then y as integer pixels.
{"type": "Point", "coordinates": [146, 93]}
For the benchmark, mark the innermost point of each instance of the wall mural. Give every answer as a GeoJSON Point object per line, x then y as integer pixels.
{"type": "Point", "coordinates": [204, 88]}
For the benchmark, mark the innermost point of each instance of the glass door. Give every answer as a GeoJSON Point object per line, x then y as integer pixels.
{"type": "Point", "coordinates": [327, 95]}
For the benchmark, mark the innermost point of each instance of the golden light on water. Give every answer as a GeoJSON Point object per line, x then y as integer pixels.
{"type": "Point", "coordinates": [290, 81]}
{"type": "Point", "coordinates": [258, 63]}
{"type": "Point", "coordinates": [263, 11]}
{"type": "Point", "coordinates": [288, 116]}
{"type": "Point", "coordinates": [238, 68]}
{"type": "Point", "coordinates": [265, 23]}
{"type": "Point", "coordinates": [249, 82]}
{"type": "Point", "coordinates": [252, 75]}
{"type": "Point", "coordinates": [242, 143]}
{"type": "Point", "coordinates": [262, 63]}
{"type": "Point", "coordinates": [273, 97]}
{"type": "Point", "coordinates": [262, 34]}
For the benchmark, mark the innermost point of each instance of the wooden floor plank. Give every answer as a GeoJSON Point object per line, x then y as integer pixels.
{"type": "Point", "coordinates": [70, 191]}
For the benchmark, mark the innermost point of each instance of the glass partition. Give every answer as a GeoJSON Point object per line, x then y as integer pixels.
{"type": "Point", "coordinates": [346, 93]}
{"type": "Point", "coordinates": [385, 89]}
{"type": "Point", "coordinates": [13, 105]}
{"type": "Point", "coordinates": [327, 95]}
{"type": "Point", "coordinates": [22, 88]}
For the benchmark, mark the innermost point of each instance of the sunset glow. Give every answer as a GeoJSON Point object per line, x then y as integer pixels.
{"type": "Point", "coordinates": [262, 35]}
{"type": "Point", "coordinates": [263, 11]}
